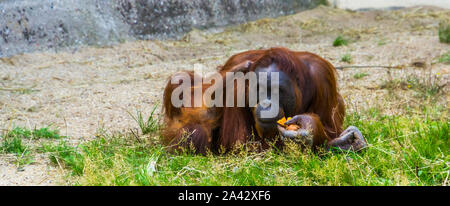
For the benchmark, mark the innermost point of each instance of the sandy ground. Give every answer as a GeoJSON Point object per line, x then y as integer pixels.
{"type": "Point", "coordinates": [84, 90]}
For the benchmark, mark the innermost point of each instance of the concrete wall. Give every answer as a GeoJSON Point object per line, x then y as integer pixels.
{"type": "Point", "coordinates": [30, 25]}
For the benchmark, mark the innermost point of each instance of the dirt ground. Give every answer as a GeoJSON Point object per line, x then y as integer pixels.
{"type": "Point", "coordinates": [85, 90]}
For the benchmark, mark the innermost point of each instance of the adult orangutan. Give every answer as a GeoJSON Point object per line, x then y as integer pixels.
{"type": "Point", "coordinates": [307, 92]}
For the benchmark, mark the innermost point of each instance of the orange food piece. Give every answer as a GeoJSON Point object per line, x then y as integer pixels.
{"type": "Point", "coordinates": [293, 127]}
{"type": "Point", "coordinates": [283, 120]}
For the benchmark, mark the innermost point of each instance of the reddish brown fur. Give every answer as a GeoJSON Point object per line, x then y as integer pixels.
{"type": "Point", "coordinates": [314, 81]}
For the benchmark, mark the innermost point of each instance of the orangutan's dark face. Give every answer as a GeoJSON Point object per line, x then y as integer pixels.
{"type": "Point", "coordinates": [279, 101]}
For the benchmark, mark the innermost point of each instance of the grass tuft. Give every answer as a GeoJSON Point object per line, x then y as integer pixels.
{"type": "Point", "coordinates": [346, 58]}
{"type": "Point", "coordinates": [360, 75]}
{"type": "Point", "coordinates": [445, 58]}
{"type": "Point", "coordinates": [323, 2]}
{"type": "Point", "coordinates": [12, 142]}
{"type": "Point", "coordinates": [44, 132]}
{"type": "Point", "coordinates": [340, 41]}
{"type": "Point", "coordinates": [381, 42]}
{"type": "Point", "coordinates": [147, 125]}
{"type": "Point", "coordinates": [444, 32]}
{"type": "Point", "coordinates": [15, 146]}
{"type": "Point", "coordinates": [64, 155]}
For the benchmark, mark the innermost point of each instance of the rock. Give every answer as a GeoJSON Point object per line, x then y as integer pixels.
{"type": "Point", "coordinates": [29, 25]}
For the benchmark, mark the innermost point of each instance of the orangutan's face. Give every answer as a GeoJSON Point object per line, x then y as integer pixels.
{"type": "Point", "coordinates": [279, 101]}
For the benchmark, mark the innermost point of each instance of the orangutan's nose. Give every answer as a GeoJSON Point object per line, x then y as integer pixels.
{"type": "Point", "coordinates": [268, 111]}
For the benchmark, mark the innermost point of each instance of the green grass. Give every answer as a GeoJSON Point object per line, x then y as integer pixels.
{"type": "Point", "coordinates": [340, 41]}
{"type": "Point", "coordinates": [323, 2]}
{"type": "Point", "coordinates": [13, 142]}
{"type": "Point", "coordinates": [16, 146]}
{"type": "Point", "coordinates": [13, 145]}
{"type": "Point", "coordinates": [147, 125]}
{"type": "Point", "coordinates": [360, 75]}
{"type": "Point", "coordinates": [347, 58]}
{"type": "Point", "coordinates": [44, 132]}
{"type": "Point", "coordinates": [381, 42]}
{"type": "Point", "coordinates": [64, 155]}
{"type": "Point", "coordinates": [445, 58]}
{"type": "Point", "coordinates": [403, 150]}
{"type": "Point", "coordinates": [444, 33]}
{"type": "Point", "coordinates": [412, 149]}
{"type": "Point", "coordinates": [23, 90]}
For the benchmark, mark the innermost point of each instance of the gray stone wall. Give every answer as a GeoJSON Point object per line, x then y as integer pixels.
{"type": "Point", "coordinates": [30, 25]}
